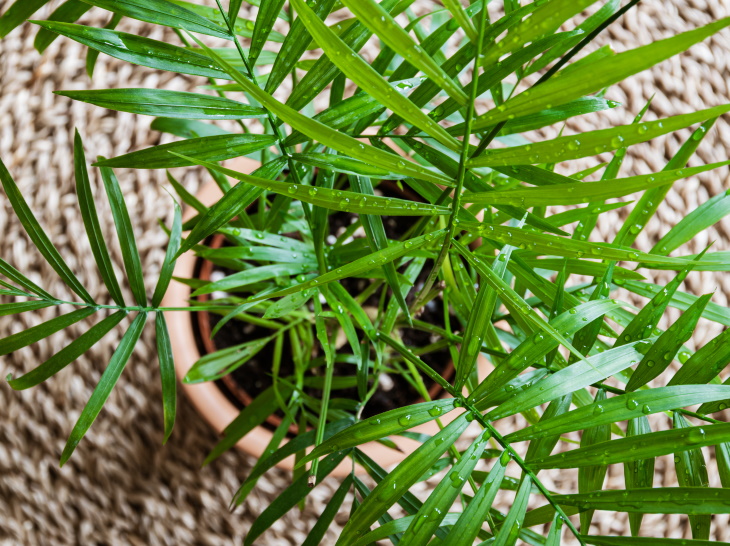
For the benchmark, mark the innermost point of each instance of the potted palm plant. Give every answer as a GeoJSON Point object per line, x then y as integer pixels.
{"type": "Point", "coordinates": [397, 228]}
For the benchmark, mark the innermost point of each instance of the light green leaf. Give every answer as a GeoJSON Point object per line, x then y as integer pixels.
{"type": "Point", "coordinates": [510, 530]}
{"type": "Point", "coordinates": [599, 74]}
{"type": "Point", "coordinates": [584, 192]}
{"type": "Point", "coordinates": [383, 425]}
{"type": "Point", "coordinates": [635, 448]}
{"type": "Point", "coordinates": [570, 379]}
{"type": "Point", "coordinates": [329, 137]}
{"type": "Point", "coordinates": [623, 407]}
{"type": "Point", "coordinates": [398, 481]}
{"type": "Point", "coordinates": [379, 21]}
{"type": "Point", "coordinates": [664, 349]}
{"type": "Point", "coordinates": [360, 72]}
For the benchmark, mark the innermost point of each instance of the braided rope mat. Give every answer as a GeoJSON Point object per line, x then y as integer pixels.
{"type": "Point", "coordinates": [122, 486]}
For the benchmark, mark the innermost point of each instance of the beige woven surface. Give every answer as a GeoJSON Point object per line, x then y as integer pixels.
{"type": "Point", "coordinates": [122, 486]}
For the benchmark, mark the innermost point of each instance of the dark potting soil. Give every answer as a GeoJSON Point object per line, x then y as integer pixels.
{"type": "Point", "coordinates": [394, 390]}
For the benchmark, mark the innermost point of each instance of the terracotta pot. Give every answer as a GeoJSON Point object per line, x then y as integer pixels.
{"type": "Point", "coordinates": [207, 397]}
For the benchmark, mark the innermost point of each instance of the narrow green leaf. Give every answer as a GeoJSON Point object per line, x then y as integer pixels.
{"type": "Point", "coordinates": [162, 12]}
{"type": "Point", "coordinates": [377, 239]}
{"type": "Point", "coordinates": [333, 199]}
{"type": "Point", "coordinates": [265, 20]}
{"type": "Point", "coordinates": [379, 21]}
{"type": "Point", "coordinates": [92, 55]}
{"type": "Point", "coordinates": [623, 407]}
{"type": "Point", "coordinates": [647, 541]}
{"type": "Point", "coordinates": [470, 523]}
{"type": "Point", "coordinates": [400, 480]}
{"type": "Point", "coordinates": [704, 216]}
{"type": "Point", "coordinates": [39, 238]}
{"type": "Point", "coordinates": [553, 538]}
{"type": "Point", "coordinates": [289, 448]}
{"type": "Point", "coordinates": [360, 72]}
{"type": "Point", "coordinates": [125, 233]}
{"type": "Point", "coordinates": [68, 12]}
{"type": "Point", "coordinates": [168, 265]}
{"type": "Point", "coordinates": [381, 426]}
{"type": "Point", "coordinates": [328, 137]}
{"type": "Point", "coordinates": [91, 223]}
{"type": "Point", "coordinates": [68, 354]}
{"type": "Point", "coordinates": [235, 200]}
{"type": "Point", "coordinates": [185, 152]}
{"type": "Point", "coordinates": [546, 19]}
{"type": "Point", "coordinates": [252, 416]}
{"type": "Point", "coordinates": [600, 74]}
{"type": "Point", "coordinates": [187, 128]}
{"type": "Point", "coordinates": [510, 530]}
{"type": "Point", "coordinates": [296, 42]}
{"type": "Point", "coordinates": [344, 164]}
{"type": "Point", "coordinates": [18, 278]}
{"type": "Point", "coordinates": [167, 374]}
{"type": "Point", "coordinates": [514, 302]}
{"type": "Point", "coordinates": [289, 498]}
{"type": "Point", "coordinates": [590, 478]}
{"type": "Point", "coordinates": [640, 473]}
{"type": "Point", "coordinates": [23, 306]}
{"type": "Point", "coordinates": [35, 333]}
{"type": "Point", "coordinates": [722, 455]}
{"type": "Point", "coordinates": [104, 387]}
{"type": "Point", "coordinates": [17, 14]}
{"type": "Point", "coordinates": [170, 104]}
{"type": "Point", "coordinates": [558, 246]}
{"type": "Point", "coordinates": [316, 535]}
{"type": "Point", "coordinates": [660, 500]}
{"type": "Point", "coordinates": [664, 349]}
{"type": "Point", "coordinates": [574, 377]}
{"type": "Point", "coordinates": [215, 365]}
{"type": "Point", "coordinates": [543, 446]}
{"type": "Point", "coordinates": [643, 324]}
{"type": "Point", "coordinates": [639, 447]}
{"type": "Point", "coordinates": [650, 200]}
{"type": "Point", "coordinates": [392, 528]}
{"type": "Point", "coordinates": [585, 192]}
{"type": "Point", "coordinates": [692, 472]}
{"type": "Point", "coordinates": [137, 50]}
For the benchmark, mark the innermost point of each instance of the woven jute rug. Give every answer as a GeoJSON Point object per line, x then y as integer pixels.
{"type": "Point", "coordinates": [122, 486]}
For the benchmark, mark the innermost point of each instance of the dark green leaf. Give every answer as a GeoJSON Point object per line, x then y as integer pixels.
{"type": "Point", "coordinates": [168, 265]}
{"type": "Point", "coordinates": [170, 104]}
{"type": "Point", "coordinates": [39, 237]}
{"type": "Point", "coordinates": [91, 223]}
{"type": "Point", "coordinates": [212, 148]}
{"type": "Point", "coordinates": [167, 374]}
{"type": "Point", "coordinates": [138, 50]}
{"type": "Point", "coordinates": [125, 233]}
{"type": "Point", "coordinates": [68, 354]}
{"type": "Point", "coordinates": [104, 387]}
{"type": "Point", "coordinates": [35, 333]}
{"type": "Point", "coordinates": [400, 480]}
{"type": "Point", "coordinates": [162, 12]}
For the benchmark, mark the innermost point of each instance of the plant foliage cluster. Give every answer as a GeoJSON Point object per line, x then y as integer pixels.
{"type": "Point", "coordinates": [480, 244]}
